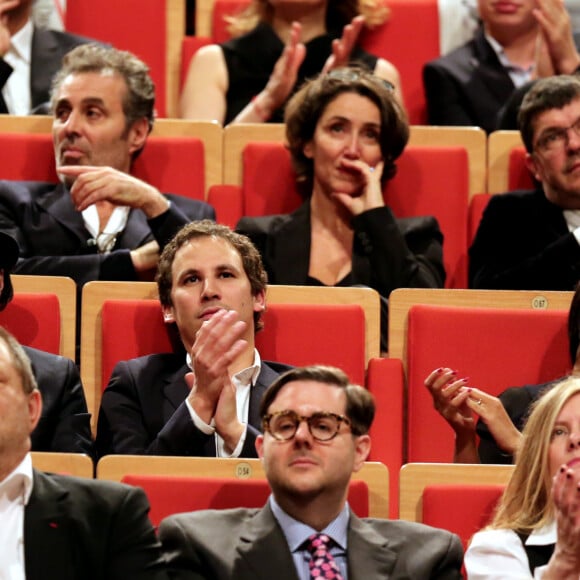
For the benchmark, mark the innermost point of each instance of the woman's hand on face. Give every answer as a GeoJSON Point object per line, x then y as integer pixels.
{"type": "Point", "coordinates": [566, 498]}
{"type": "Point", "coordinates": [450, 399]}
{"type": "Point", "coordinates": [285, 73]}
{"type": "Point", "coordinates": [342, 47]}
{"type": "Point", "coordinates": [371, 195]}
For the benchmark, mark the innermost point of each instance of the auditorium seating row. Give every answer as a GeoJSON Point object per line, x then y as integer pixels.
{"type": "Point", "coordinates": [409, 39]}
{"type": "Point", "coordinates": [482, 334]}
{"type": "Point", "coordinates": [246, 170]}
{"type": "Point", "coordinates": [459, 498]}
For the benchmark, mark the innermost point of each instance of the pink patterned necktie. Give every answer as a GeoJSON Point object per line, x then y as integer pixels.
{"type": "Point", "coordinates": [322, 565]}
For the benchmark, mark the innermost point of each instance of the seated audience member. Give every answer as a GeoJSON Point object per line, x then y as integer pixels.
{"type": "Point", "coordinates": [345, 130]}
{"type": "Point", "coordinates": [64, 423]}
{"type": "Point", "coordinates": [515, 43]}
{"type": "Point", "coordinates": [212, 287]}
{"type": "Point", "coordinates": [99, 223]}
{"type": "Point", "coordinates": [315, 437]}
{"type": "Point", "coordinates": [501, 419]}
{"type": "Point", "coordinates": [277, 46]}
{"type": "Point", "coordinates": [529, 240]}
{"type": "Point", "coordinates": [535, 532]}
{"type": "Point", "coordinates": [58, 526]}
{"type": "Point", "coordinates": [29, 57]}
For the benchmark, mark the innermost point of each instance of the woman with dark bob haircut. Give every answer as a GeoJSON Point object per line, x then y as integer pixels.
{"type": "Point", "coordinates": [345, 131]}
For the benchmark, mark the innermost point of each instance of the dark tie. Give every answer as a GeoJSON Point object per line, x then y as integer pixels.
{"type": "Point", "coordinates": [322, 565]}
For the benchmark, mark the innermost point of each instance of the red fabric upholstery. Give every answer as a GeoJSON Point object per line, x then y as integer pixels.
{"type": "Point", "coordinates": [423, 186]}
{"type": "Point", "coordinates": [295, 334]}
{"type": "Point", "coordinates": [34, 319]}
{"type": "Point", "coordinates": [461, 509]}
{"type": "Point", "coordinates": [166, 162]}
{"type": "Point", "coordinates": [408, 39]}
{"type": "Point", "coordinates": [132, 25]}
{"type": "Point", "coordinates": [301, 334]}
{"type": "Point", "coordinates": [519, 177]}
{"type": "Point", "coordinates": [496, 348]}
{"type": "Point", "coordinates": [476, 208]}
{"type": "Point", "coordinates": [228, 202]}
{"type": "Point", "coordinates": [385, 382]}
{"type": "Point", "coordinates": [170, 494]}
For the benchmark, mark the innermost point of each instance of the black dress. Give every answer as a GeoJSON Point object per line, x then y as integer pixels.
{"type": "Point", "coordinates": [250, 60]}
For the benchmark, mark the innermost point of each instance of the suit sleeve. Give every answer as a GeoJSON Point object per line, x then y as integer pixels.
{"type": "Point", "coordinates": [68, 420]}
{"type": "Point", "coordinates": [449, 567]}
{"type": "Point", "coordinates": [507, 252]}
{"type": "Point", "coordinates": [135, 551]}
{"type": "Point", "coordinates": [445, 102]}
{"type": "Point", "coordinates": [412, 258]}
{"type": "Point", "coordinates": [122, 428]}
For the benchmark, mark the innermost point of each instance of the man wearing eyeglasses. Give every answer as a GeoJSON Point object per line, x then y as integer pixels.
{"type": "Point", "coordinates": [315, 437]}
{"type": "Point", "coordinates": [530, 240]}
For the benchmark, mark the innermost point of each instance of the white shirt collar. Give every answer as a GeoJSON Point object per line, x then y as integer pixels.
{"type": "Point", "coordinates": [20, 476]}
{"type": "Point", "coordinates": [21, 42]}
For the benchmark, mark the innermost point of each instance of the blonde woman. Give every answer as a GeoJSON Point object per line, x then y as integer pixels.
{"type": "Point", "coordinates": [277, 45]}
{"type": "Point", "coordinates": [535, 532]}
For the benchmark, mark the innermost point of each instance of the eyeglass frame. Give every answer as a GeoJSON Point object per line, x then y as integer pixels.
{"type": "Point", "coordinates": [321, 414]}
{"type": "Point", "coordinates": [557, 133]}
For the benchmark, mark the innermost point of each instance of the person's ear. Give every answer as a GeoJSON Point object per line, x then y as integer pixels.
{"type": "Point", "coordinates": [361, 452]}
{"type": "Point", "coordinates": [168, 315]}
{"type": "Point", "coordinates": [308, 150]}
{"type": "Point", "coordinates": [34, 408]}
{"type": "Point", "coordinates": [534, 166]}
{"type": "Point", "coordinates": [259, 444]}
{"type": "Point", "coordinates": [138, 134]}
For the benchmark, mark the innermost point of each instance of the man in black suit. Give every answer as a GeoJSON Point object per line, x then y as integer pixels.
{"type": "Point", "coordinates": [29, 58]}
{"type": "Point", "coordinates": [212, 287]}
{"type": "Point", "coordinates": [472, 84]}
{"type": "Point", "coordinates": [64, 424]}
{"type": "Point", "coordinates": [315, 436]}
{"type": "Point", "coordinates": [530, 240]}
{"type": "Point", "coordinates": [57, 526]}
{"type": "Point", "coordinates": [100, 223]}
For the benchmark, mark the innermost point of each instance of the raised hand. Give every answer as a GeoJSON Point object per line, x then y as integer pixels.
{"type": "Point", "coordinates": [5, 7]}
{"type": "Point", "coordinates": [372, 192]}
{"type": "Point", "coordinates": [342, 47]}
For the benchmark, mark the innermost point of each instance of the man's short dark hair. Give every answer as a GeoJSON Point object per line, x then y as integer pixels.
{"type": "Point", "coordinates": [9, 251]}
{"type": "Point", "coordinates": [94, 58]}
{"type": "Point", "coordinates": [251, 259]}
{"type": "Point", "coordinates": [549, 93]}
{"type": "Point", "coordinates": [360, 404]}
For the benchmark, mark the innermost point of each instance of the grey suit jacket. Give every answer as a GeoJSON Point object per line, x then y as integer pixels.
{"type": "Point", "coordinates": [248, 544]}
{"type": "Point", "coordinates": [95, 530]}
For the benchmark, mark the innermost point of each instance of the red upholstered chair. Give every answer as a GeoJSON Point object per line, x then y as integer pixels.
{"type": "Point", "coordinates": [386, 382]}
{"type": "Point", "coordinates": [152, 30]}
{"type": "Point", "coordinates": [460, 508]}
{"type": "Point", "coordinates": [495, 347]}
{"type": "Point", "coordinates": [423, 186]}
{"type": "Point", "coordinates": [166, 162]}
{"type": "Point", "coordinates": [175, 494]}
{"type": "Point", "coordinates": [519, 177]}
{"type": "Point", "coordinates": [34, 319]}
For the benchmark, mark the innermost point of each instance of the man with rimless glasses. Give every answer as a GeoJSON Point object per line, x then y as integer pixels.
{"type": "Point", "coordinates": [530, 240]}
{"type": "Point", "coordinates": [316, 426]}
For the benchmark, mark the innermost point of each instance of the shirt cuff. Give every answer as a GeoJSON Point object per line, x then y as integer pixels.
{"type": "Point", "coordinates": [198, 422]}
{"type": "Point", "coordinates": [221, 451]}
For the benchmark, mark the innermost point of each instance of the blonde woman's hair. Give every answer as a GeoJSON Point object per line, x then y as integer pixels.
{"type": "Point", "coordinates": [339, 13]}
{"type": "Point", "coordinates": [526, 504]}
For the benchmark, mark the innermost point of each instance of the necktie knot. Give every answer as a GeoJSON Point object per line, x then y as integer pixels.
{"type": "Point", "coordinates": [322, 564]}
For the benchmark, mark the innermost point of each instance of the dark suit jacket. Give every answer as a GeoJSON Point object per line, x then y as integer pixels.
{"type": "Point", "coordinates": [64, 425]}
{"type": "Point", "coordinates": [468, 86]}
{"type": "Point", "coordinates": [248, 544]}
{"type": "Point", "coordinates": [143, 410]}
{"type": "Point", "coordinates": [523, 243]}
{"type": "Point", "coordinates": [517, 402]}
{"type": "Point", "coordinates": [83, 528]}
{"type": "Point", "coordinates": [387, 253]}
{"type": "Point", "coordinates": [48, 50]}
{"type": "Point", "coordinates": [53, 239]}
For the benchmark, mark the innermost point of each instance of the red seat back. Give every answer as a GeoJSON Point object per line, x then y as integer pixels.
{"type": "Point", "coordinates": [496, 348]}
{"type": "Point", "coordinates": [295, 334]}
{"type": "Point", "coordinates": [34, 319]}
{"type": "Point", "coordinates": [171, 494]}
{"type": "Point", "coordinates": [460, 508]}
{"type": "Point", "coordinates": [519, 177]}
